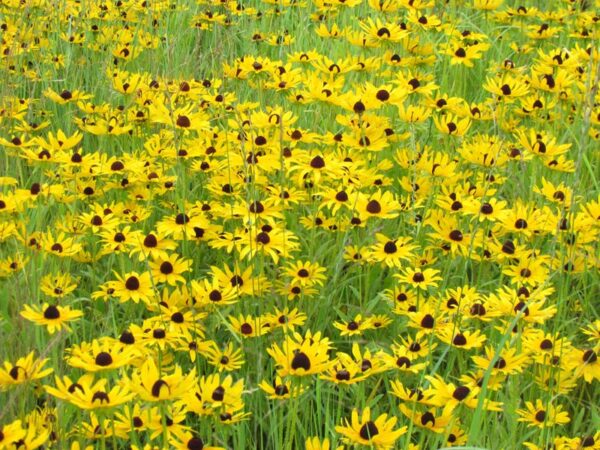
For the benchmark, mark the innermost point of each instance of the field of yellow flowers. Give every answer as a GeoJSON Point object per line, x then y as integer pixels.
{"type": "Point", "coordinates": [299, 224]}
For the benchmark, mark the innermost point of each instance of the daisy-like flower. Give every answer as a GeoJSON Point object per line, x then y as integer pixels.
{"type": "Point", "coordinates": [212, 292]}
{"type": "Point", "coordinates": [153, 385]}
{"type": "Point", "coordinates": [448, 396]}
{"type": "Point", "coordinates": [391, 252]}
{"type": "Point", "coordinates": [378, 433]}
{"type": "Point", "coordinates": [274, 242]}
{"type": "Point", "coordinates": [215, 392]}
{"type": "Point", "coordinates": [100, 355]}
{"type": "Point", "coordinates": [530, 272]}
{"type": "Point", "coordinates": [464, 54]}
{"type": "Point", "coordinates": [242, 282]}
{"type": "Point", "coordinates": [429, 419]}
{"type": "Point", "coordinates": [58, 285]}
{"type": "Point", "coordinates": [355, 326]}
{"type": "Point", "coordinates": [314, 443]}
{"type": "Point", "coordinates": [23, 370]}
{"type": "Point", "coordinates": [153, 246]}
{"type": "Point", "coordinates": [53, 317]}
{"type": "Point", "coordinates": [542, 415]}
{"type": "Point", "coordinates": [380, 204]}
{"type": "Point", "coordinates": [419, 278]}
{"type": "Point", "coordinates": [509, 361]}
{"type": "Point", "coordinates": [452, 125]}
{"type": "Point", "coordinates": [98, 396]}
{"type": "Point", "coordinates": [306, 273]}
{"type": "Point", "coordinates": [133, 286]}
{"type": "Point", "coordinates": [225, 359]}
{"type": "Point", "coordinates": [462, 339]}
{"type": "Point", "coordinates": [344, 370]}
{"type": "Point", "coordinates": [248, 326]}
{"type": "Point", "coordinates": [11, 434]}
{"type": "Point", "coordinates": [301, 356]}
{"type": "Point", "coordinates": [66, 96]}
{"type": "Point", "coordinates": [286, 319]}
{"type": "Point", "coordinates": [60, 245]}
{"type": "Point", "coordinates": [281, 389]}
{"type": "Point", "coordinates": [586, 363]}
{"type": "Point", "coordinates": [168, 270]}
{"type": "Point", "coordinates": [190, 441]}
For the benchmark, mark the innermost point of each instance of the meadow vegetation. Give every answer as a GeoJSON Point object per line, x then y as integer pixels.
{"type": "Point", "coordinates": [299, 224]}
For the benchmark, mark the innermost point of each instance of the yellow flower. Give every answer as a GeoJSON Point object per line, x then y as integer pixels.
{"type": "Point", "coordinates": [378, 433]}
{"type": "Point", "coordinates": [23, 370]}
{"type": "Point", "coordinates": [152, 384]}
{"type": "Point", "coordinates": [419, 278]}
{"type": "Point", "coordinates": [542, 414]}
{"type": "Point", "coordinates": [54, 317]}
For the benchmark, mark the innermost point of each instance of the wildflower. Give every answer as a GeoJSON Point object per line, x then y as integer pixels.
{"type": "Point", "coordinates": [353, 327]}
{"type": "Point", "coordinates": [226, 359]}
{"type": "Point", "coordinates": [420, 279]}
{"type": "Point", "coordinates": [378, 433]}
{"type": "Point", "coordinates": [378, 205]}
{"type": "Point", "coordinates": [279, 389]}
{"type": "Point", "coordinates": [53, 317]}
{"type": "Point", "coordinates": [133, 286]}
{"type": "Point", "coordinates": [214, 392]}
{"type": "Point", "coordinates": [314, 443]}
{"type": "Point", "coordinates": [429, 419]}
{"type": "Point", "coordinates": [248, 326]}
{"type": "Point", "coordinates": [301, 356]}
{"type": "Point", "coordinates": [169, 270]}
{"type": "Point", "coordinates": [58, 285]}
{"type": "Point", "coordinates": [100, 355]}
{"type": "Point", "coordinates": [391, 252]}
{"type": "Point", "coordinates": [542, 415]}
{"type": "Point", "coordinates": [306, 273]}
{"type": "Point", "coordinates": [152, 384]}
{"type": "Point", "coordinates": [25, 369]}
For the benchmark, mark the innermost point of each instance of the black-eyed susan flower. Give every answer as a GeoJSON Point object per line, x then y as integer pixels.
{"type": "Point", "coordinates": [58, 285]}
{"type": "Point", "coordinates": [431, 418]}
{"type": "Point", "coordinates": [212, 292]}
{"type": "Point", "coordinates": [452, 125]}
{"type": "Point", "coordinates": [227, 358]}
{"type": "Point", "coordinates": [585, 363]}
{"type": "Point", "coordinates": [314, 443]}
{"type": "Point", "coordinates": [12, 433]}
{"type": "Point", "coordinates": [306, 273]}
{"type": "Point", "coordinates": [98, 396]}
{"type": "Point", "coordinates": [53, 317]}
{"type": "Point", "coordinates": [153, 384]}
{"type": "Point", "coordinates": [543, 414]}
{"type": "Point", "coordinates": [281, 389]}
{"type": "Point", "coordinates": [100, 355]}
{"type": "Point", "coordinates": [301, 356]}
{"type": "Point", "coordinates": [507, 361]}
{"type": "Point", "coordinates": [214, 392]}
{"type": "Point", "coordinates": [191, 441]}
{"type": "Point", "coordinates": [286, 319]}
{"type": "Point", "coordinates": [380, 204]}
{"type": "Point", "coordinates": [419, 278]}
{"type": "Point", "coordinates": [169, 270]}
{"type": "Point", "coordinates": [391, 252]}
{"type": "Point", "coordinates": [378, 433]}
{"type": "Point", "coordinates": [355, 326]}
{"type": "Point", "coordinates": [133, 286]}
{"type": "Point", "coordinates": [449, 395]}
{"type": "Point", "coordinates": [25, 369]}
{"type": "Point", "coordinates": [249, 326]}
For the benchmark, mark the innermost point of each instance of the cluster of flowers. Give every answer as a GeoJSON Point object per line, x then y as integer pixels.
{"type": "Point", "coordinates": [439, 228]}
